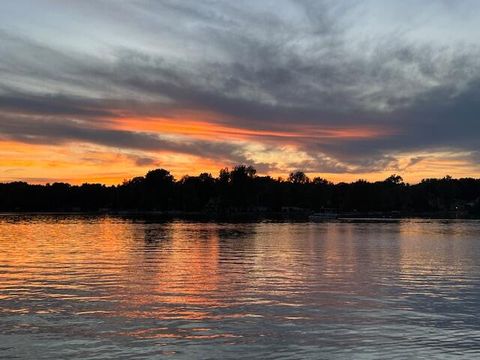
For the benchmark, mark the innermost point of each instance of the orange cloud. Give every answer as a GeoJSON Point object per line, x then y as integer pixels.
{"type": "Point", "coordinates": [77, 162]}
{"type": "Point", "coordinates": [205, 127]}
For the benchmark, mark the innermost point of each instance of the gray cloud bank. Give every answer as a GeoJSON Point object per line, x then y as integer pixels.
{"type": "Point", "coordinates": [274, 66]}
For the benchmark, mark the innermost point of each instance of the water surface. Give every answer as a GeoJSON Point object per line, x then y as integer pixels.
{"type": "Point", "coordinates": [111, 288]}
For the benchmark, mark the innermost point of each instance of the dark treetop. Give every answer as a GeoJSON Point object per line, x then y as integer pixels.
{"type": "Point", "coordinates": [241, 191]}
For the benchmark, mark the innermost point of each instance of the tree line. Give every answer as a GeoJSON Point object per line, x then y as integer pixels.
{"type": "Point", "coordinates": [241, 190]}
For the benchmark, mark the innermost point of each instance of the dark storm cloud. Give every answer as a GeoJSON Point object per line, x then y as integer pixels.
{"type": "Point", "coordinates": [264, 68]}
{"type": "Point", "coordinates": [53, 105]}
{"type": "Point", "coordinates": [440, 119]}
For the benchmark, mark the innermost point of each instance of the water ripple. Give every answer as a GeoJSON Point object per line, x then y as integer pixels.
{"type": "Point", "coordinates": [106, 287]}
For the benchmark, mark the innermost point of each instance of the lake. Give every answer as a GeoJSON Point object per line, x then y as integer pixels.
{"type": "Point", "coordinates": [87, 287]}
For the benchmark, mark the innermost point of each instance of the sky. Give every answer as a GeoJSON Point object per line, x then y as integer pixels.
{"type": "Point", "coordinates": [104, 90]}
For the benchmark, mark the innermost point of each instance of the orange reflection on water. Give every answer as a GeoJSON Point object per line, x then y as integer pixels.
{"type": "Point", "coordinates": [181, 271]}
{"type": "Point", "coordinates": [152, 288]}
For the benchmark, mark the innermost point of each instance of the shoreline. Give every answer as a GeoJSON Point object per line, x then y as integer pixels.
{"type": "Point", "coordinates": [303, 216]}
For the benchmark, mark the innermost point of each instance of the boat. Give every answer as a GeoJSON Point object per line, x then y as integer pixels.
{"type": "Point", "coordinates": [324, 214]}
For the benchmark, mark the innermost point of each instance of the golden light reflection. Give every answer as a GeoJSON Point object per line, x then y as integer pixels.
{"type": "Point", "coordinates": [164, 280]}
{"type": "Point", "coordinates": [180, 280]}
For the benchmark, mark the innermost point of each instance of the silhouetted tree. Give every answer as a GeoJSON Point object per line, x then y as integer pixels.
{"type": "Point", "coordinates": [158, 185]}
{"type": "Point", "coordinates": [242, 190]}
{"type": "Point", "coordinates": [298, 177]}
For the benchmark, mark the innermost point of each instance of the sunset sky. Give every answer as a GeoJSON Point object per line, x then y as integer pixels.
{"type": "Point", "coordinates": [102, 91]}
